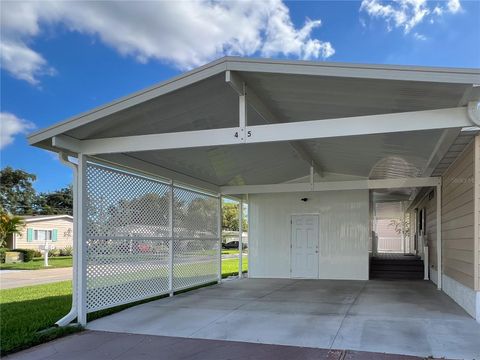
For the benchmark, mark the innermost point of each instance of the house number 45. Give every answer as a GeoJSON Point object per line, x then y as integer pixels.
{"type": "Point", "coordinates": [249, 134]}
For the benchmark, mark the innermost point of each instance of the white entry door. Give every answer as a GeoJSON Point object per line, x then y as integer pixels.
{"type": "Point", "coordinates": [304, 246]}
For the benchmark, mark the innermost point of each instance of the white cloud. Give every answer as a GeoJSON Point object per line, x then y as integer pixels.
{"type": "Point", "coordinates": [183, 33]}
{"type": "Point", "coordinates": [10, 126]}
{"type": "Point", "coordinates": [407, 14]}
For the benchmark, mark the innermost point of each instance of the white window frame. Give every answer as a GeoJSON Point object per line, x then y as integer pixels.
{"type": "Point", "coordinates": [35, 234]}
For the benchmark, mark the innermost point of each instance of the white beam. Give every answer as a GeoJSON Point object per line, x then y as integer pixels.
{"type": "Point", "coordinates": [238, 84]}
{"type": "Point", "coordinates": [314, 129]}
{"type": "Point", "coordinates": [165, 141]}
{"type": "Point", "coordinates": [332, 186]}
{"type": "Point", "coordinates": [446, 140]}
{"type": "Point", "coordinates": [361, 125]}
{"type": "Point", "coordinates": [65, 142]}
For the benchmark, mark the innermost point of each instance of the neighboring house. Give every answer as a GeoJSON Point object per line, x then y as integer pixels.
{"type": "Point", "coordinates": [57, 229]}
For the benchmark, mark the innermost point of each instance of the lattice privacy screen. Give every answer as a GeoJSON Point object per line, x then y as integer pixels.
{"type": "Point", "coordinates": [129, 233]}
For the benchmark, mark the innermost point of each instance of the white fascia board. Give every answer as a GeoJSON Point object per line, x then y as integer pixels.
{"type": "Point", "coordinates": [332, 186]}
{"type": "Point", "coordinates": [361, 125]}
{"type": "Point", "coordinates": [139, 97]}
{"type": "Point", "coordinates": [384, 72]}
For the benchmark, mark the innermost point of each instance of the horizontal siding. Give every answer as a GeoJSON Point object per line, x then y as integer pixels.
{"type": "Point", "coordinates": [62, 226]}
{"type": "Point", "coordinates": [458, 220]}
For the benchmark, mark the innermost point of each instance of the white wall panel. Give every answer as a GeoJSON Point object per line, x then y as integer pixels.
{"type": "Point", "coordinates": [343, 233]}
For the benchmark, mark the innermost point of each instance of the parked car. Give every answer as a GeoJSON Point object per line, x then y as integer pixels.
{"type": "Point", "coordinates": [232, 245]}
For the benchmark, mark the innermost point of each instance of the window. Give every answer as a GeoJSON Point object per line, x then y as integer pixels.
{"type": "Point", "coordinates": [42, 235]}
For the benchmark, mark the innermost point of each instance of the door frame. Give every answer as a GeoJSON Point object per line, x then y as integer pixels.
{"type": "Point", "coordinates": [291, 244]}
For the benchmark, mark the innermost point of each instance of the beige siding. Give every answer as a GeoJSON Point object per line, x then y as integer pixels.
{"type": "Point", "coordinates": [64, 235]}
{"type": "Point", "coordinates": [458, 243]}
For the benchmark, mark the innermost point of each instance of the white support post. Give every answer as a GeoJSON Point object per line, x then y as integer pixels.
{"type": "Point", "coordinates": [172, 242]}
{"type": "Point", "coordinates": [439, 236]}
{"type": "Point", "coordinates": [81, 241]}
{"type": "Point", "coordinates": [240, 236]}
{"type": "Point", "coordinates": [220, 239]}
{"type": "Point", "coordinates": [242, 111]}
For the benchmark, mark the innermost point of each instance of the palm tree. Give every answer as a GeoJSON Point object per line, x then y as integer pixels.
{"type": "Point", "coordinates": [9, 225]}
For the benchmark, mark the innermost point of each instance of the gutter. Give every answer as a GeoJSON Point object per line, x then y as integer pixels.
{"type": "Point", "coordinates": [72, 314]}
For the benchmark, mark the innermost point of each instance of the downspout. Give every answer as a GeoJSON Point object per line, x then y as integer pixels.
{"type": "Point", "coordinates": [72, 314]}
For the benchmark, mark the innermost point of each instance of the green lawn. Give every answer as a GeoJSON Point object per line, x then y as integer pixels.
{"type": "Point", "coordinates": [66, 261]}
{"type": "Point", "coordinates": [27, 310]}
{"type": "Point", "coordinates": [37, 263]}
{"type": "Point", "coordinates": [229, 251]}
{"type": "Point", "coordinates": [230, 266]}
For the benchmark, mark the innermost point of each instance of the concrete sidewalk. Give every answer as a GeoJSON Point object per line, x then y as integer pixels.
{"type": "Point", "coordinates": [99, 345]}
{"type": "Point", "coordinates": [10, 279]}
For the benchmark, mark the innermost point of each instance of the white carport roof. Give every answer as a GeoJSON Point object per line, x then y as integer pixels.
{"type": "Point", "coordinates": [278, 94]}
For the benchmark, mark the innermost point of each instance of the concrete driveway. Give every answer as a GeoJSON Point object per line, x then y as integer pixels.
{"type": "Point", "coordinates": [399, 317]}
{"type": "Point", "coordinates": [18, 278]}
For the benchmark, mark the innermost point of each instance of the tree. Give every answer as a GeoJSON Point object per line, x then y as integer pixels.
{"type": "Point", "coordinates": [230, 217]}
{"type": "Point", "coordinates": [401, 226]}
{"type": "Point", "coordinates": [17, 194]}
{"type": "Point", "coordinates": [57, 202]}
{"type": "Point", "coordinates": [9, 225]}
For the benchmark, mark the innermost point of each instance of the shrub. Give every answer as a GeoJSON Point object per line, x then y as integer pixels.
{"type": "Point", "coordinates": [28, 254]}
{"type": "Point", "coordinates": [2, 254]}
{"type": "Point", "coordinates": [67, 251]}
{"type": "Point", "coordinates": [54, 252]}
{"type": "Point", "coordinates": [38, 253]}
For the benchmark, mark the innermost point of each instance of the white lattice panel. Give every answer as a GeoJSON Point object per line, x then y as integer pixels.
{"type": "Point", "coordinates": [195, 214]}
{"type": "Point", "coordinates": [128, 237]}
{"type": "Point", "coordinates": [123, 204]}
{"type": "Point", "coordinates": [195, 262]}
{"type": "Point", "coordinates": [122, 271]}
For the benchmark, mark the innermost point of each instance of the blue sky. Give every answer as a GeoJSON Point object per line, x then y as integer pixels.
{"type": "Point", "coordinates": [58, 60]}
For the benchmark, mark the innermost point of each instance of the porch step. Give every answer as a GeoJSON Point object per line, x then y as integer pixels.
{"type": "Point", "coordinates": [407, 268]}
